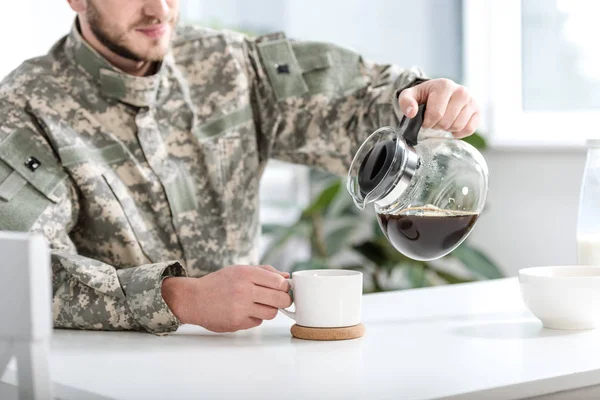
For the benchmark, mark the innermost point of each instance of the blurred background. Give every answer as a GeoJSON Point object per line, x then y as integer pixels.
{"type": "Point", "coordinates": [533, 65]}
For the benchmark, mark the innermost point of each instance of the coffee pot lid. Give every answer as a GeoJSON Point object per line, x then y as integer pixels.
{"type": "Point", "coordinates": [374, 168]}
{"type": "Point", "coordinates": [383, 159]}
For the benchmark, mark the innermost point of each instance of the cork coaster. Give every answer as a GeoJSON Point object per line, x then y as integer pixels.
{"type": "Point", "coordinates": [349, 332]}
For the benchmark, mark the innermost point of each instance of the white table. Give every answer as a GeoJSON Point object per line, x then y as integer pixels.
{"type": "Point", "coordinates": [472, 341]}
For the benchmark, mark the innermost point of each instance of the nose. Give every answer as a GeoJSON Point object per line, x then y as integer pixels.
{"type": "Point", "coordinates": [157, 9]}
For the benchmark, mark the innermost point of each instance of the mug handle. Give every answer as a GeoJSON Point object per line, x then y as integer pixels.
{"type": "Point", "coordinates": [288, 313]}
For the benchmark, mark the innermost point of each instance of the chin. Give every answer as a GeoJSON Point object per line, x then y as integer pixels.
{"type": "Point", "coordinates": [147, 49]}
{"type": "Point", "coordinates": [158, 54]}
{"type": "Point", "coordinates": [154, 53]}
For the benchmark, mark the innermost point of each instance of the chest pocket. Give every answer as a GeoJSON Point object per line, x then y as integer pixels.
{"type": "Point", "coordinates": [230, 152]}
{"type": "Point", "coordinates": [229, 146]}
{"type": "Point", "coordinates": [30, 180]}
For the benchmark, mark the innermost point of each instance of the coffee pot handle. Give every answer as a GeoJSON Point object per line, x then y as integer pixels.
{"type": "Point", "coordinates": [412, 126]}
{"type": "Point", "coordinates": [288, 313]}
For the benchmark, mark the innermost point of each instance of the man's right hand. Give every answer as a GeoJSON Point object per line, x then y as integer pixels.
{"type": "Point", "coordinates": [233, 298]}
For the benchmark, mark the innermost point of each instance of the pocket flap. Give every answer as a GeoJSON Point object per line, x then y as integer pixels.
{"type": "Point", "coordinates": [315, 62]}
{"type": "Point", "coordinates": [282, 68]}
{"type": "Point", "coordinates": [32, 161]}
{"type": "Point", "coordinates": [222, 123]}
{"type": "Point", "coordinates": [78, 154]}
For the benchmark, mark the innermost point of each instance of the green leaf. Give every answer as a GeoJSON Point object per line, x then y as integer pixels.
{"type": "Point", "coordinates": [451, 278]}
{"type": "Point", "coordinates": [281, 235]}
{"type": "Point", "coordinates": [313, 263]}
{"type": "Point", "coordinates": [324, 199]}
{"type": "Point", "coordinates": [338, 234]}
{"type": "Point", "coordinates": [381, 253]}
{"type": "Point", "coordinates": [477, 262]}
{"type": "Point", "coordinates": [416, 276]}
{"type": "Point", "coordinates": [476, 140]}
{"type": "Point", "coordinates": [372, 251]}
{"type": "Point", "coordinates": [391, 253]}
{"type": "Point", "coordinates": [342, 205]}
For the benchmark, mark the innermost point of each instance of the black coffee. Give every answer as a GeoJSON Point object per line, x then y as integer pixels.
{"type": "Point", "coordinates": [426, 234]}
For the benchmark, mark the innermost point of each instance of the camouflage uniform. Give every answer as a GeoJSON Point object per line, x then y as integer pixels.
{"type": "Point", "coordinates": [134, 179]}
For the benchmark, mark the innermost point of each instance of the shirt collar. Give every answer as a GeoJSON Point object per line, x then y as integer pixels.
{"type": "Point", "coordinates": [139, 91]}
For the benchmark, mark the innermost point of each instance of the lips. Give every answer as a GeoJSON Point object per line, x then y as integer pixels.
{"type": "Point", "coordinates": [154, 31]}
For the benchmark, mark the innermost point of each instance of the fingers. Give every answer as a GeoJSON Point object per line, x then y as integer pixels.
{"type": "Point", "coordinates": [437, 103]}
{"type": "Point", "coordinates": [263, 312]}
{"type": "Point", "coordinates": [470, 127]}
{"type": "Point", "coordinates": [248, 323]}
{"type": "Point", "coordinates": [450, 106]}
{"type": "Point", "coordinates": [270, 268]}
{"type": "Point", "coordinates": [269, 279]}
{"type": "Point", "coordinates": [462, 119]}
{"type": "Point", "coordinates": [459, 102]}
{"type": "Point", "coordinates": [254, 322]}
{"type": "Point", "coordinates": [270, 297]}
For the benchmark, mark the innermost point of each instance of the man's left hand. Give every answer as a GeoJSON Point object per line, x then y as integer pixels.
{"type": "Point", "coordinates": [449, 106]}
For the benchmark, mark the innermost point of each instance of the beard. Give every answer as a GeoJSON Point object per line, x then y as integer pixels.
{"type": "Point", "coordinates": [116, 41]}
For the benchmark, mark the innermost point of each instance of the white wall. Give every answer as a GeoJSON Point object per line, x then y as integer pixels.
{"type": "Point", "coordinates": [404, 32]}
{"type": "Point", "coordinates": [531, 214]}
{"type": "Point", "coordinates": [407, 33]}
{"type": "Point", "coordinates": [29, 28]}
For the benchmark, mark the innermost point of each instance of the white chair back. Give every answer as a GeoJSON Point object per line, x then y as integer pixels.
{"type": "Point", "coordinates": [25, 314]}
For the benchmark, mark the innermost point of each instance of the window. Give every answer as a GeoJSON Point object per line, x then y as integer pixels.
{"type": "Point", "coordinates": [536, 65]}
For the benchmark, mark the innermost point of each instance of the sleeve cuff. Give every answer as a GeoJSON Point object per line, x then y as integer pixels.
{"type": "Point", "coordinates": [144, 296]}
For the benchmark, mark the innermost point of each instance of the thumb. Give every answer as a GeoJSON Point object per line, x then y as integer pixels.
{"type": "Point", "coordinates": [410, 99]}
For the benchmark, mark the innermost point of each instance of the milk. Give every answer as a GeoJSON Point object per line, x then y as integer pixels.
{"type": "Point", "coordinates": [588, 249]}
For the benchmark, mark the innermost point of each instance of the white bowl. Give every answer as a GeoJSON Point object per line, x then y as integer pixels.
{"type": "Point", "coordinates": [563, 297]}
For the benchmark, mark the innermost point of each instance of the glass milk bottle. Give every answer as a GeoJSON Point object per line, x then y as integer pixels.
{"type": "Point", "coordinates": [588, 226]}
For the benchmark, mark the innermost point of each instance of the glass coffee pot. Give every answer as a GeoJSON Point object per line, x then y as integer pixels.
{"type": "Point", "coordinates": [427, 195]}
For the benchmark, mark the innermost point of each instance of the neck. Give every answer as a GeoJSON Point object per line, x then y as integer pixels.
{"type": "Point", "coordinates": [132, 67]}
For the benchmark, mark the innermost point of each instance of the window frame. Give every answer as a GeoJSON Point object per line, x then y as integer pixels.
{"type": "Point", "coordinates": [493, 71]}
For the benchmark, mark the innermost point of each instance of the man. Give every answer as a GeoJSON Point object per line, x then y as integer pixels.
{"type": "Point", "coordinates": [136, 148]}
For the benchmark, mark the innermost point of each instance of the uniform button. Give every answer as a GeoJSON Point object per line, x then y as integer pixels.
{"type": "Point", "coordinates": [32, 163]}
{"type": "Point", "coordinates": [282, 68]}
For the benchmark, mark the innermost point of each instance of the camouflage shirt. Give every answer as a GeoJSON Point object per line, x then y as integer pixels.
{"type": "Point", "coordinates": [134, 179]}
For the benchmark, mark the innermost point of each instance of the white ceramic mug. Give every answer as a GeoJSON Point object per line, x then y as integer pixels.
{"type": "Point", "coordinates": [326, 298]}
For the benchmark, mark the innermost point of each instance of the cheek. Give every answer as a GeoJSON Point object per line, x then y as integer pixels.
{"type": "Point", "coordinates": [163, 43]}
{"type": "Point", "coordinates": [122, 30]}
{"type": "Point", "coordinates": [121, 17]}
